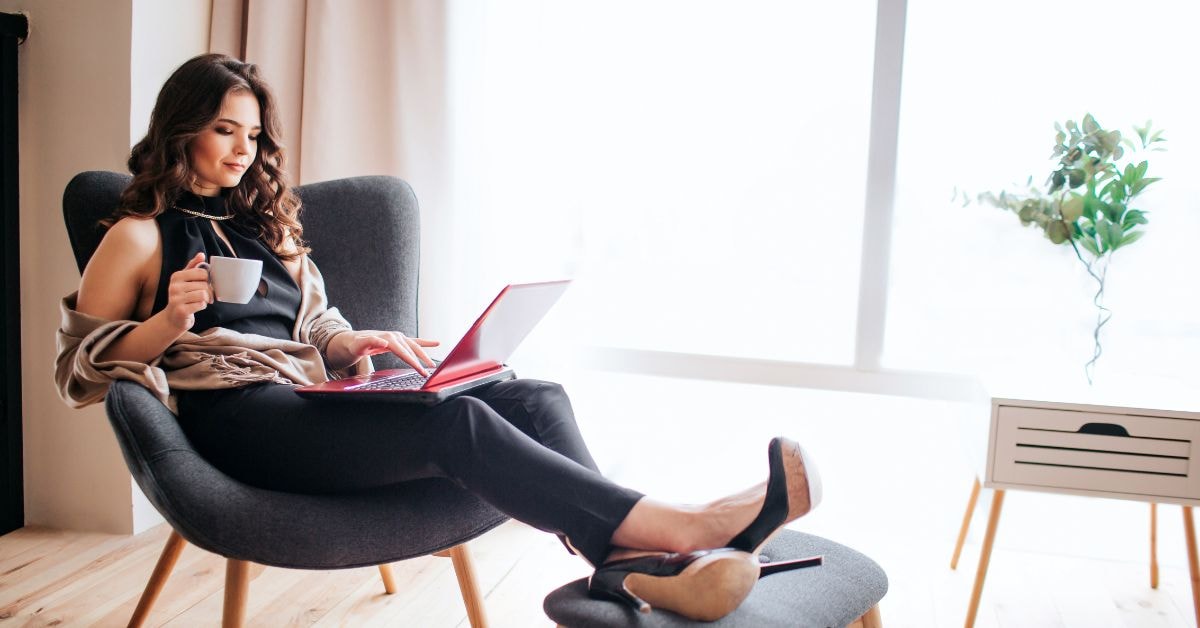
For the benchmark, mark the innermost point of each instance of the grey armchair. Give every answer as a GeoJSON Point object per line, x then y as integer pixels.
{"type": "Point", "coordinates": [246, 524]}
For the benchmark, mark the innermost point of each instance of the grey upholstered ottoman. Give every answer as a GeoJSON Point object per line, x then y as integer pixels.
{"type": "Point", "coordinates": [843, 591]}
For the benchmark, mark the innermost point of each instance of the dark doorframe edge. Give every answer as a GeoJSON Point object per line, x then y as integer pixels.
{"type": "Point", "coordinates": [14, 28]}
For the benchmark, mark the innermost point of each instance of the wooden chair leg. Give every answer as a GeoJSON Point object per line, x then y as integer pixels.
{"type": "Point", "coordinates": [966, 523]}
{"type": "Point", "coordinates": [1189, 530]}
{"type": "Point", "coordinates": [166, 562]}
{"type": "Point", "coordinates": [389, 580]}
{"type": "Point", "coordinates": [869, 619]}
{"type": "Point", "coordinates": [985, 556]}
{"type": "Point", "coordinates": [237, 588]}
{"type": "Point", "coordinates": [464, 568]}
{"type": "Point", "coordinates": [872, 619]}
{"type": "Point", "coordinates": [1153, 545]}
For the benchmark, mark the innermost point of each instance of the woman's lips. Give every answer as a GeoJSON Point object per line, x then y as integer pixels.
{"type": "Point", "coordinates": [236, 167]}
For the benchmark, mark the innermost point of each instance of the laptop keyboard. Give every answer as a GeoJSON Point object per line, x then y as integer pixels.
{"type": "Point", "coordinates": [412, 381]}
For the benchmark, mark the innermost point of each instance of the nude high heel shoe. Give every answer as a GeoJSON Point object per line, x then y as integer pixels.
{"type": "Point", "coordinates": [705, 585]}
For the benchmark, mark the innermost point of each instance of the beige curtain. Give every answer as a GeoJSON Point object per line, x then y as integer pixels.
{"type": "Point", "coordinates": [361, 87]}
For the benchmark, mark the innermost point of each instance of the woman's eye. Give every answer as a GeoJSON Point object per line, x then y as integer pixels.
{"type": "Point", "coordinates": [253, 138]}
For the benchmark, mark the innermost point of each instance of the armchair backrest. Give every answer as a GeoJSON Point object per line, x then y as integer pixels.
{"type": "Point", "coordinates": [364, 233]}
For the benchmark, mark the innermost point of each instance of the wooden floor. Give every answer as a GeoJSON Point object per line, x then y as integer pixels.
{"type": "Point", "coordinates": [895, 482]}
{"type": "Point", "coordinates": [53, 578]}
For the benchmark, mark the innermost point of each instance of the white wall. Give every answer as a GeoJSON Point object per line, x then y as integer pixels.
{"type": "Point", "coordinates": [88, 72]}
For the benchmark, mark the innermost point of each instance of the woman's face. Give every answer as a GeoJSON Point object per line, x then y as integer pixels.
{"type": "Point", "coordinates": [222, 152]}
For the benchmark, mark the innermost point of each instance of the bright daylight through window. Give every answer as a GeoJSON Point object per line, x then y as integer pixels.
{"type": "Point", "coordinates": [699, 165]}
{"type": "Point", "coordinates": [984, 83]}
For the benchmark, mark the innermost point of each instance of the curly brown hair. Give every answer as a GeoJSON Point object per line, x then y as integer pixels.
{"type": "Point", "coordinates": [263, 202]}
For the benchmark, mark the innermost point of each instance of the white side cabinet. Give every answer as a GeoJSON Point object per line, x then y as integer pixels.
{"type": "Point", "coordinates": [1109, 450]}
{"type": "Point", "coordinates": [1104, 451]}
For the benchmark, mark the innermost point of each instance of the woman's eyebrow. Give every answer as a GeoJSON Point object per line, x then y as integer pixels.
{"type": "Point", "coordinates": [239, 124]}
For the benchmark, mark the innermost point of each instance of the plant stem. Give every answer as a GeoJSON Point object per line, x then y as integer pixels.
{"type": "Point", "coordinates": [1102, 313]}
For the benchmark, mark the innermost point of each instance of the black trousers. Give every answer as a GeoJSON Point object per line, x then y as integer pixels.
{"type": "Point", "coordinates": [514, 443]}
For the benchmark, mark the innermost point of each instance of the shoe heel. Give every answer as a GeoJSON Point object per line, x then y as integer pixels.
{"type": "Point", "coordinates": [782, 566]}
{"type": "Point", "coordinates": [611, 585]}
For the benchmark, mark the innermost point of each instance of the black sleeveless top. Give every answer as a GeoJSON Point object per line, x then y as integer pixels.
{"type": "Point", "coordinates": [270, 312]}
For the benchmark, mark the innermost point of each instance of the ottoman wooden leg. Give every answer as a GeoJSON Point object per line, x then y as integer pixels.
{"type": "Point", "coordinates": [985, 556]}
{"type": "Point", "coordinates": [389, 580]}
{"type": "Point", "coordinates": [869, 619]}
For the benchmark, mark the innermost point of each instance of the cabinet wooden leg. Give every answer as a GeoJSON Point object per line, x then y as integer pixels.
{"type": "Point", "coordinates": [1153, 545]}
{"type": "Point", "coordinates": [966, 523]}
{"type": "Point", "coordinates": [1189, 530]}
{"type": "Point", "coordinates": [985, 556]}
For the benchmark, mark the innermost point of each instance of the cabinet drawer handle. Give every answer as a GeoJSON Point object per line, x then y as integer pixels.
{"type": "Point", "coordinates": [1103, 429]}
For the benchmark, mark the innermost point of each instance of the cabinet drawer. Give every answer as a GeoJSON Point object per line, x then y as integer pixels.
{"type": "Point", "coordinates": [1095, 451]}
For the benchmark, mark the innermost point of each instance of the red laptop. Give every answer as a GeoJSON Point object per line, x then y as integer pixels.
{"type": "Point", "coordinates": [476, 360]}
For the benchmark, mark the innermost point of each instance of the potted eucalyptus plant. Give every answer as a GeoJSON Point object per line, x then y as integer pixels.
{"type": "Point", "coordinates": [1087, 201]}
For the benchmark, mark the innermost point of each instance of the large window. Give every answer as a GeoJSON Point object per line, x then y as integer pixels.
{"type": "Point", "coordinates": [698, 166]}
{"type": "Point", "coordinates": [983, 85]}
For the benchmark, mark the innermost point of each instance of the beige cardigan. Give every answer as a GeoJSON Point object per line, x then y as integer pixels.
{"type": "Point", "coordinates": [214, 358]}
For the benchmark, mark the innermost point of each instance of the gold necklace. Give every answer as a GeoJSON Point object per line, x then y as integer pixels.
{"type": "Point", "coordinates": [197, 214]}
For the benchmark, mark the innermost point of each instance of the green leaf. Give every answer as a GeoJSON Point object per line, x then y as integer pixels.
{"type": "Point", "coordinates": [1056, 181]}
{"type": "Point", "coordinates": [1115, 234]}
{"type": "Point", "coordinates": [1057, 231]}
{"type": "Point", "coordinates": [1134, 217]}
{"type": "Point", "coordinates": [1089, 124]}
{"type": "Point", "coordinates": [1090, 245]}
{"type": "Point", "coordinates": [1132, 237]}
{"type": "Point", "coordinates": [1140, 185]}
{"type": "Point", "coordinates": [1112, 211]}
{"type": "Point", "coordinates": [1076, 178]}
{"type": "Point", "coordinates": [1072, 208]}
{"type": "Point", "coordinates": [1116, 190]}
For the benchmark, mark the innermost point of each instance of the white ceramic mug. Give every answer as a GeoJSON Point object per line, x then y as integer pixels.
{"type": "Point", "coordinates": [233, 279]}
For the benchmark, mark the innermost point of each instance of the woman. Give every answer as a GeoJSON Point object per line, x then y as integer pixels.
{"type": "Point", "coordinates": [208, 180]}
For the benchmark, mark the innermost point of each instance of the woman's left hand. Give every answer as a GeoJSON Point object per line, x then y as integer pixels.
{"type": "Point", "coordinates": [349, 347]}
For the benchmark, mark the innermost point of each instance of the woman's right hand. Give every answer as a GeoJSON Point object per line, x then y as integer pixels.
{"type": "Point", "coordinates": [187, 293]}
